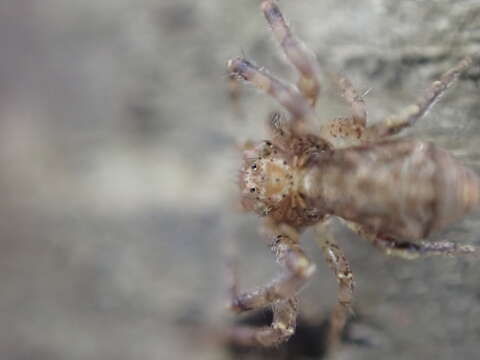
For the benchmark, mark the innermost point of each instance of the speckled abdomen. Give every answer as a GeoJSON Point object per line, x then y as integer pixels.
{"type": "Point", "coordinates": [404, 189]}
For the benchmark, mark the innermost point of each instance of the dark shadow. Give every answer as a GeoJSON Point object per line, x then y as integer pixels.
{"type": "Point", "coordinates": [308, 342]}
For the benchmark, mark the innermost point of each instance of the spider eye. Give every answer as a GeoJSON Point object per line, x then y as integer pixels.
{"type": "Point", "coordinates": [252, 190]}
{"type": "Point", "coordinates": [254, 166]}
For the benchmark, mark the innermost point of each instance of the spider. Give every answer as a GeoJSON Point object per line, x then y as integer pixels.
{"type": "Point", "coordinates": [394, 192]}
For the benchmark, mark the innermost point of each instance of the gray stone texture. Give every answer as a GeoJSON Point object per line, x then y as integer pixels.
{"type": "Point", "coordinates": [118, 167]}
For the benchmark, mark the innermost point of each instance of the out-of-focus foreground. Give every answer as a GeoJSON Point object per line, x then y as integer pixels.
{"type": "Point", "coordinates": [118, 165]}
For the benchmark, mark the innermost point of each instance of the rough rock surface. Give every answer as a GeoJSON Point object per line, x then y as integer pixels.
{"type": "Point", "coordinates": [118, 168]}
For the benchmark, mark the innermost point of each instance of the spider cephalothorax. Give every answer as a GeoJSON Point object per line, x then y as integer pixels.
{"type": "Point", "coordinates": [393, 192]}
{"type": "Point", "coordinates": [272, 180]}
{"type": "Point", "coordinates": [267, 180]}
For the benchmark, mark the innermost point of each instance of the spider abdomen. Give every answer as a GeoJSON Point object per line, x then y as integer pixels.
{"type": "Point", "coordinates": [403, 188]}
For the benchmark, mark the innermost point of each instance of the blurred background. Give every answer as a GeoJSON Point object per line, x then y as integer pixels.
{"type": "Point", "coordinates": [118, 166]}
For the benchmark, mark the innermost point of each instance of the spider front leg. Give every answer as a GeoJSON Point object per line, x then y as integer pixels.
{"type": "Point", "coordinates": [285, 94]}
{"type": "Point", "coordinates": [280, 293]}
{"type": "Point", "coordinates": [393, 124]}
{"type": "Point", "coordinates": [338, 263]}
{"type": "Point", "coordinates": [297, 53]}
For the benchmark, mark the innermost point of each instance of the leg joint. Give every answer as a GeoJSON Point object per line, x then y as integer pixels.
{"type": "Point", "coordinates": [275, 335]}
{"type": "Point", "coordinates": [301, 267]}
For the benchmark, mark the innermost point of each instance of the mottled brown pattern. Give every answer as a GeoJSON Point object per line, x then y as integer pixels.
{"type": "Point", "coordinates": [392, 192]}
{"type": "Point", "coordinates": [403, 189]}
{"type": "Point", "coordinates": [388, 187]}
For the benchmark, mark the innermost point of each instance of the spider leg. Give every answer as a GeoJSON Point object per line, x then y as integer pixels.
{"type": "Point", "coordinates": [412, 250]}
{"type": "Point", "coordinates": [356, 102]}
{"type": "Point", "coordinates": [347, 130]}
{"type": "Point", "coordinates": [234, 95]}
{"type": "Point", "coordinates": [393, 124]}
{"type": "Point", "coordinates": [297, 53]}
{"type": "Point", "coordinates": [285, 94]}
{"type": "Point", "coordinates": [283, 326]}
{"type": "Point", "coordinates": [338, 263]}
{"type": "Point", "coordinates": [280, 292]}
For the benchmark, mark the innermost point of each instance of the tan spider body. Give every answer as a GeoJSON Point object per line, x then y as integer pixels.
{"type": "Point", "coordinates": [393, 192]}
{"type": "Point", "coordinates": [401, 189]}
